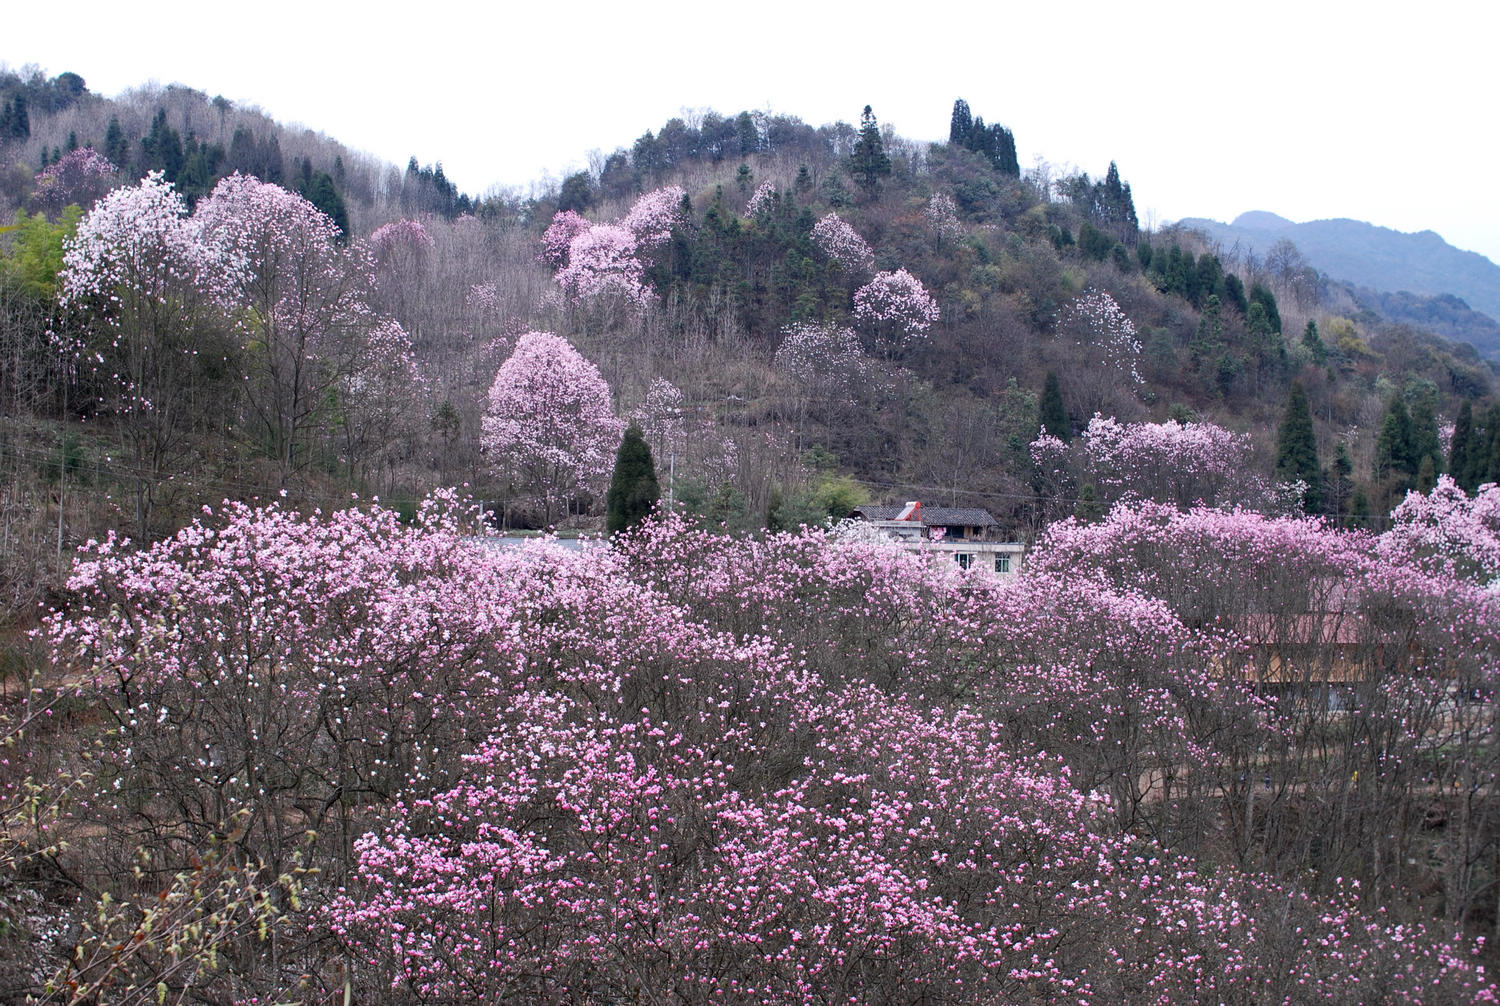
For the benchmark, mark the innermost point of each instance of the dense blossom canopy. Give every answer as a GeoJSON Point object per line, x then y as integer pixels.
{"type": "Point", "coordinates": [550, 420]}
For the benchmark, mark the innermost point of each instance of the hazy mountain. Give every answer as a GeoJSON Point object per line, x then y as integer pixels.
{"type": "Point", "coordinates": [1379, 258]}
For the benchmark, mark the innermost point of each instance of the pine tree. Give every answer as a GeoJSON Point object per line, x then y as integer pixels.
{"type": "Point", "coordinates": [1459, 448]}
{"type": "Point", "coordinates": [633, 489]}
{"type": "Point", "coordinates": [1297, 448]}
{"type": "Point", "coordinates": [869, 163]}
{"type": "Point", "coordinates": [1054, 414]}
{"type": "Point", "coordinates": [1088, 510]}
{"type": "Point", "coordinates": [1313, 343]}
{"type": "Point", "coordinates": [1340, 481]}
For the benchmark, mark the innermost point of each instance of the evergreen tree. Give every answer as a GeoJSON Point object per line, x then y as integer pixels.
{"type": "Point", "coordinates": [1297, 448]}
{"type": "Point", "coordinates": [1426, 475]}
{"type": "Point", "coordinates": [1489, 464]}
{"type": "Point", "coordinates": [1264, 297]}
{"type": "Point", "coordinates": [322, 194]}
{"type": "Point", "coordinates": [115, 146]}
{"type": "Point", "coordinates": [633, 489]}
{"type": "Point", "coordinates": [1359, 508]}
{"type": "Point", "coordinates": [961, 125]}
{"type": "Point", "coordinates": [1313, 343]}
{"type": "Point", "coordinates": [1393, 447]}
{"type": "Point", "coordinates": [1054, 414]}
{"type": "Point", "coordinates": [869, 163]}
{"type": "Point", "coordinates": [1425, 442]}
{"type": "Point", "coordinates": [1459, 462]}
{"type": "Point", "coordinates": [1340, 482]}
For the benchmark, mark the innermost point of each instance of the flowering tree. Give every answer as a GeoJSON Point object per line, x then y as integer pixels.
{"type": "Point", "coordinates": [80, 177]}
{"type": "Point", "coordinates": [843, 245]}
{"type": "Point", "coordinates": [1171, 462]}
{"type": "Point", "coordinates": [383, 399]}
{"type": "Point", "coordinates": [1109, 347]}
{"type": "Point", "coordinates": [1448, 533]}
{"type": "Point", "coordinates": [594, 260]}
{"type": "Point", "coordinates": [942, 217]}
{"type": "Point", "coordinates": [761, 200]}
{"type": "Point", "coordinates": [401, 250]}
{"type": "Point", "coordinates": [306, 298]}
{"type": "Point", "coordinates": [825, 361]}
{"type": "Point", "coordinates": [896, 310]}
{"type": "Point", "coordinates": [549, 423]}
{"type": "Point", "coordinates": [151, 285]}
{"type": "Point", "coordinates": [789, 768]}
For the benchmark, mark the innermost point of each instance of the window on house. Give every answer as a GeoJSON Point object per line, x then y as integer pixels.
{"type": "Point", "coordinates": [965, 560]}
{"type": "Point", "coordinates": [1002, 564]}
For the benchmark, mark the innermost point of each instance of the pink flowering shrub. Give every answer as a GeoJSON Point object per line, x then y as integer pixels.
{"type": "Point", "coordinates": [558, 237]}
{"type": "Point", "coordinates": [790, 769]}
{"type": "Point", "coordinates": [843, 245]}
{"type": "Point", "coordinates": [651, 219]}
{"type": "Point", "coordinates": [896, 309]}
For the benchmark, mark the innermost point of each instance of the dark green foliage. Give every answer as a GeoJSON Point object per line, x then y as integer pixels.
{"type": "Point", "coordinates": [1313, 343]}
{"type": "Point", "coordinates": [427, 189]}
{"type": "Point", "coordinates": [1088, 510]}
{"type": "Point", "coordinates": [1460, 461]}
{"type": "Point", "coordinates": [1108, 204]}
{"type": "Point", "coordinates": [1261, 295]}
{"type": "Point", "coordinates": [1340, 482]}
{"type": "Point", "coordinates": [249, 156]}
{"type": "Point", "coordinates": [1234, 293]}
{"type": "Point", "coordinates": [1426, 475]}
{"type": "Point", "coordinates": [320, 191]}
{"type": "Point", "coordinates": [1054, 414]}
{"type": "Point", "coordinates": [577, 193]}
{"type": "Point", "coordinates": [1143, 254]}
{"type": "Point", "coordinates": [161, 148]}
{"type": "Point", "coordinates": [1297, 448]}
{"type": "Point", "coordinates": [15, 122]}
{"type": "Point", "coordinates": [633, 489]}
{"type": "Point", "coordinates": [747, 133]}
{"type": "Point", "coordinates": [1425, 444]}
{"type": "Point", "coordinates": [869, 163]}
{"type": "Point", "coordinates": [116, 147]}
{"type": "Point", "coordinates": [1359, 508]}
{"type": "Point", "coordinates": [961, 124]}
{"type": "Point", "coordinates": [1093, 242]}
{"type": "Point", "coordinates": [1394, 457]}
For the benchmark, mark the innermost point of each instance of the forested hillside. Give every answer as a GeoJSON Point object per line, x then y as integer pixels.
{"type": "Point", "coordinates": [284, 729]}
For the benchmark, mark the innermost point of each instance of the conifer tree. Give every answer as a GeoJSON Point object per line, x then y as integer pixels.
{"type": "Point", "coordinates": [961, 124]}
{"type": "Point", "coordinates": [1313, 343]}
{"type": "Point", "coordinates": [633, 488]}
{"type": "Point", "coordinates": [1393, 447]}
{"type": "Point", "coordinates": [869, 163]}
{"type": "Point", "coordinates": [1297, 448]}
{"type": "Point", "coordinates": [1054, 414]}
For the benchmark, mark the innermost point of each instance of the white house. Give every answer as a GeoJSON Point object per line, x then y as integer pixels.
{"type": "Point", "coordinates": [968, 536]}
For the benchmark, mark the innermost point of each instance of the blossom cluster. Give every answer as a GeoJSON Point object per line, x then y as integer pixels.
{"type": "Point", "coordinates": [1101, 325]}
{"type": "Point", "coordinates": [897, 308]}
{"type": "Point", "coordinates": [799, 768]}
{"type": "Point", "coordinates": [942, 216]}
{"type": "Point", "coordinates": [593, 260]}
{"type": "Point", "coordinates": [81, 176]}
{"type": "Point", "coordinates": [842, 244]}
{"type": "Point", "coordinates": [761, 200]}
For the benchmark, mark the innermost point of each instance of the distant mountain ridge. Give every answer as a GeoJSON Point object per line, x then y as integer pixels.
{"type": "Point", "coordinates": [1365, 255]}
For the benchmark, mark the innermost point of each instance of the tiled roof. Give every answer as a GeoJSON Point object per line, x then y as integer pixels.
{"type": "Point", "coordinates": [944, 516]}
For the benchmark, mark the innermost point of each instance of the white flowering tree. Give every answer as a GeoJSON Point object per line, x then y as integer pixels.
{"type": "Point", "coordinates": [151, 287]}
{"type": "Point", "coordinates": [895, 310]}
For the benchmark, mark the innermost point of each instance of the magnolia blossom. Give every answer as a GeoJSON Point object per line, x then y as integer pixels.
{"type": "Point", "coordinates": [653, 216]}
{"type": "Point", "coordinates": [1102, 325]}
{"type": "Point", "coordinates": [761, 200]}
{"type": "Point", "coordinates": [549, 420]}
{"type": "Point", "coordinates": [604, 260]}
{"type": "Point", "coordinates": [400, 237]}
{"type": "Point", "coordinates": [826, 359]}
{"type": "Point", "coordinates": [1447, 532]}
{"type": "Point", "coordinates": [942, 216]}
{"type": "Point", "coordinates": [842, 244]}
{"type": "Point", "coordinates": [566, 226]}
{"type": "Point", "coordinates": [897, 308]}
{"type": "Point", "coordinates": [80, 177]}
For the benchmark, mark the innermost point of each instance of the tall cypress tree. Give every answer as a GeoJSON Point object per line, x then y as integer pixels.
{"type": "Point", "coordinates": [1054, 415]}
{"type": "Point", "coordinates": [633, 489]}
{"type": "Point", "coordinates": [1297, 448]}
{"type": "Point", "coordinates": [1393, 447]}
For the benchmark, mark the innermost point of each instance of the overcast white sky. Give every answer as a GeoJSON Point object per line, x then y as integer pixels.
{"type": "Point", "coordinates": [1380, 112]}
